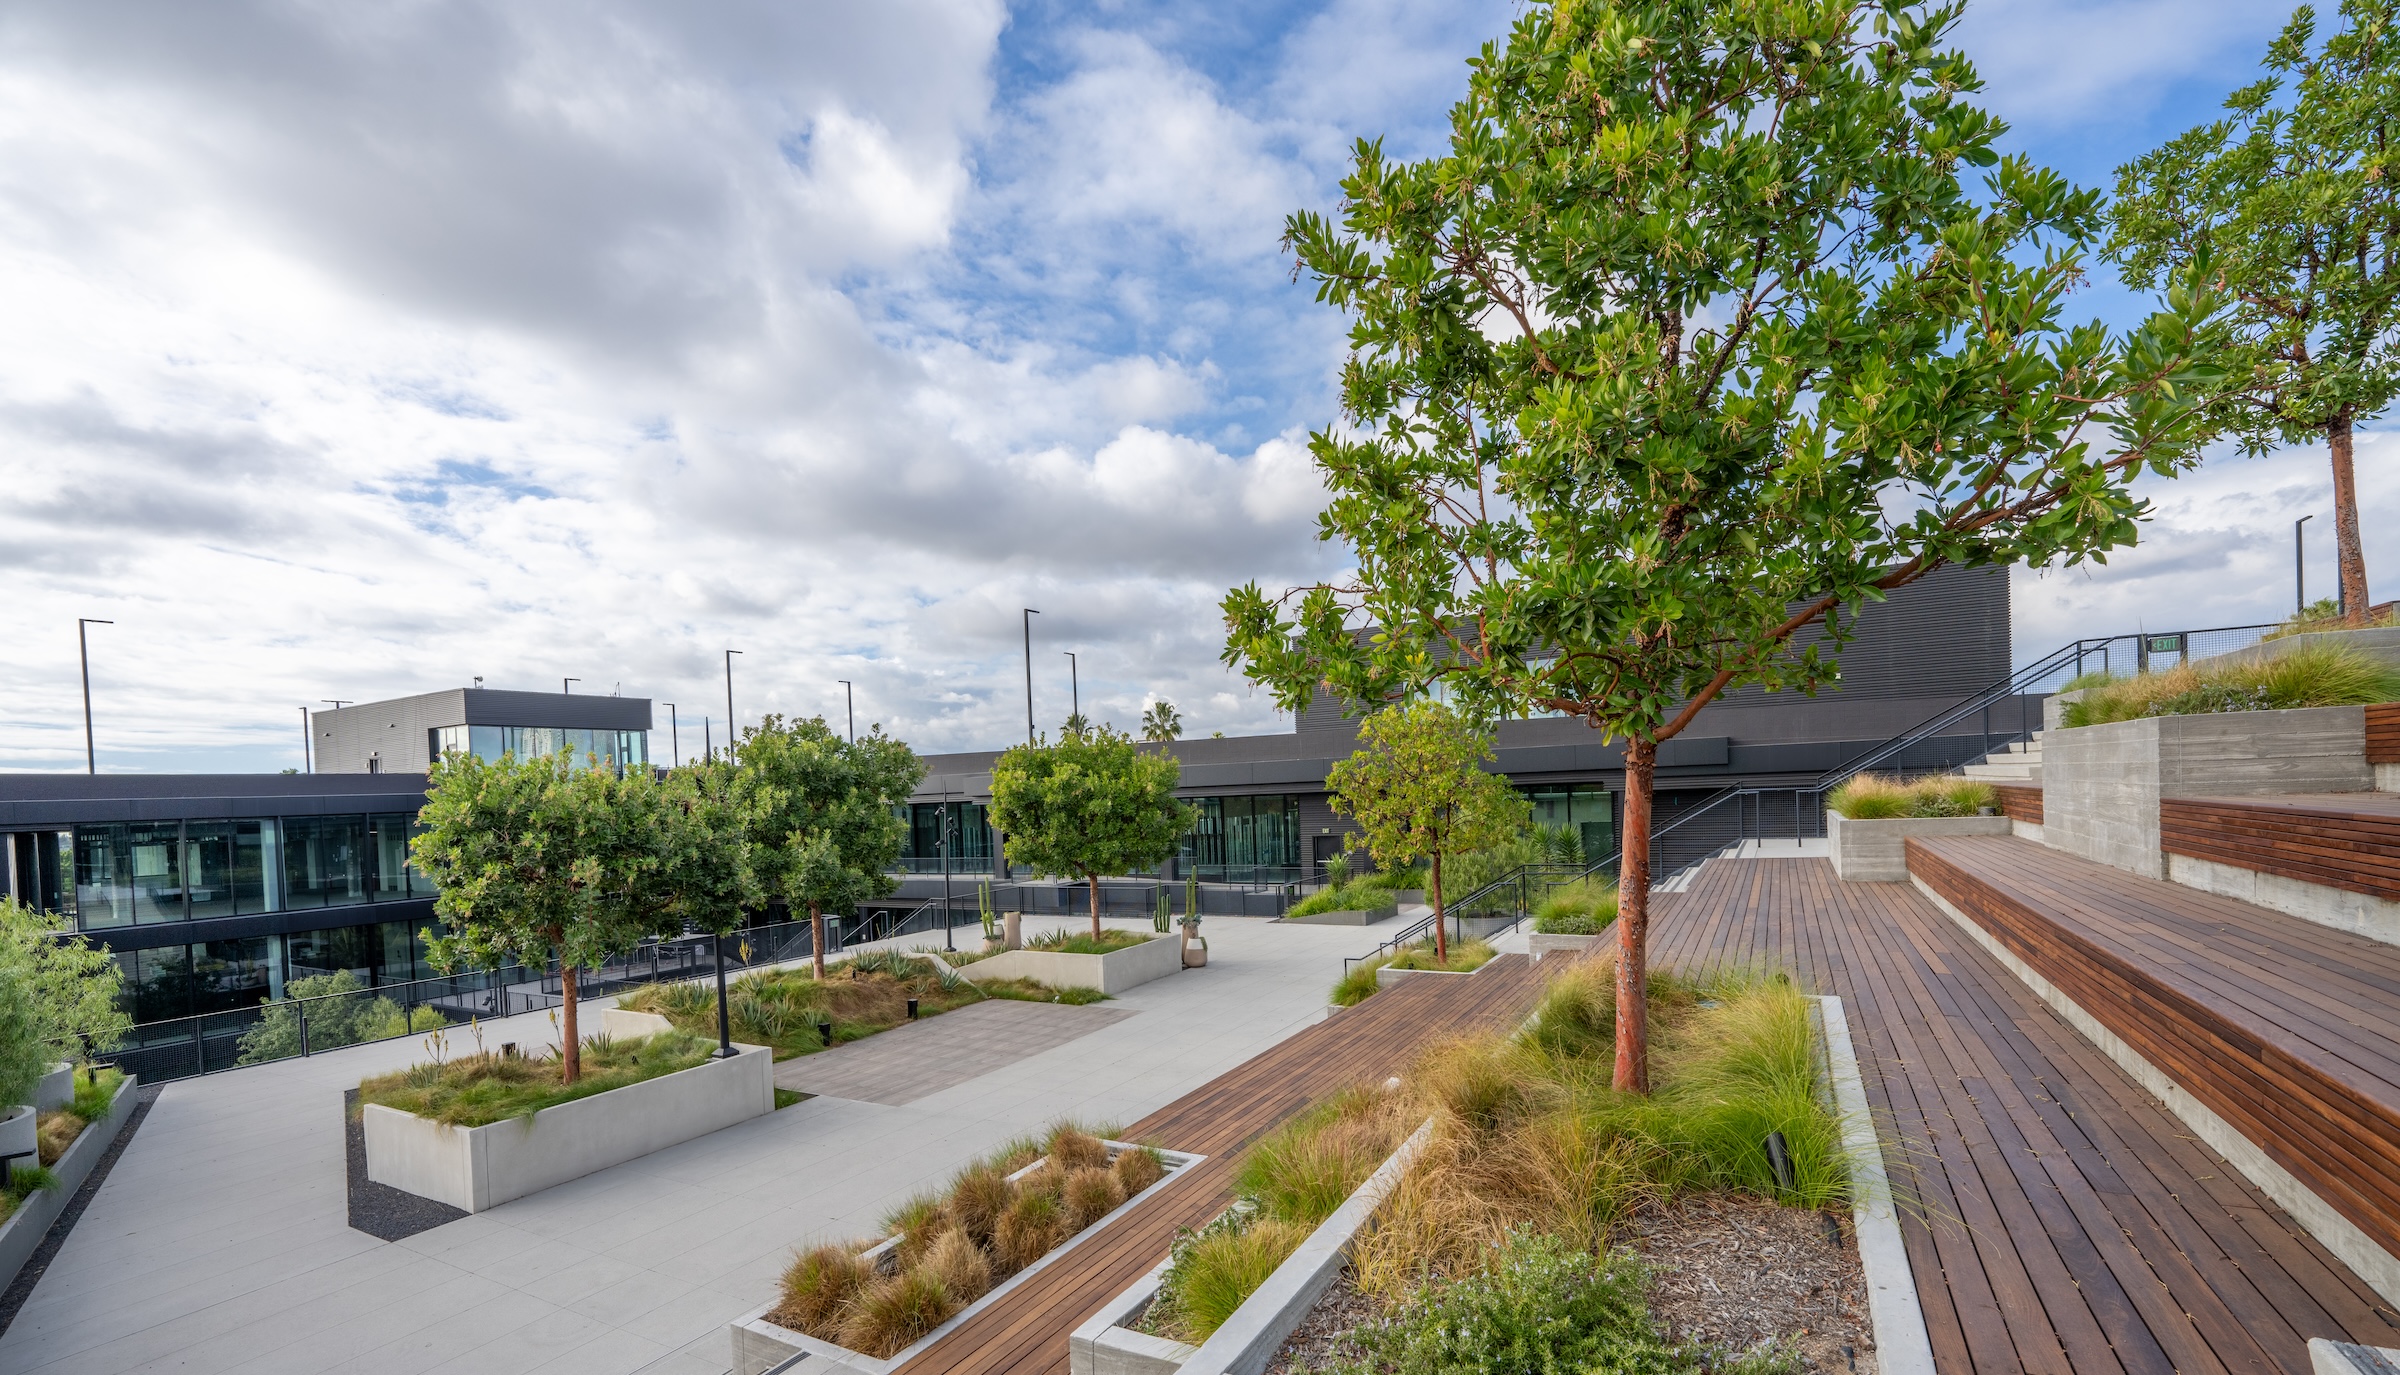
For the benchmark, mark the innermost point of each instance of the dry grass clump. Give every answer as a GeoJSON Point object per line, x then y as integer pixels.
{"type": "Point", "coordinates": [474, 1090]}
{"type": "Point", "coordinates": [2323, 675]}
{"type": "Point", "coordinates": [952, 1247]}
{"type": "Point", "coordinates": [1869, 797]}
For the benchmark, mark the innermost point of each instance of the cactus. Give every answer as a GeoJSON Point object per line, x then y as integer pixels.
{"type": "Point", "coordinates": [1158, 919]}
{"type": "Point", "coordinates": [1191, 897]}
{"type": "Point", "coordinates": [983, 905]}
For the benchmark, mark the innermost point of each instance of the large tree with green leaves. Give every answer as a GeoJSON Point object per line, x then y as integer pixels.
{"type": "Point", "coordinates": [822, 814]}
{"type": "Point", "coordinates": [2292, 204]}
{"type": "Point", "coordinates": [1090, 805]}
{"type": "Point", "coordinates": [1697, 337]}
{"type": "Point", "coordinates": [1418, 791]}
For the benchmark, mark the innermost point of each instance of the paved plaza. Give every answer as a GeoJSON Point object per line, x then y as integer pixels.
{"type": "Point", "coordinates": [219, 1242]}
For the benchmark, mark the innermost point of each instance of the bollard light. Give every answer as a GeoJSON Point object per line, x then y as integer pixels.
{"type": "Point", "coordinates": [1779, 1155]}
{"type": "Point", "coordinates": [825, 1032]}
{"type": "Point", "coordinates": [912, 1009]}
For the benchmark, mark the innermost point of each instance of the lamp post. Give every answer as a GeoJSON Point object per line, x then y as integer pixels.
{"type": "Point", "coordinates": [308, 763]}
{"type": "Point", "coordinates": [2299, 567]}
{"type": "Point", "coordinates": [674, 738]}
{"type": "Point", "coordinates": [729, 701]}
{"type": "Point", "coordinates": [849, 709]}
{"type": "Point", "coordinates": [724, 1050]}
{"type": "Point", "coordinates": [942, 841]}
{"type": "Point", "coordinates": [566, 686]}
{"type": "Point", "coordinates": [1074, 686]}
{"type": "Point", "coordinates": [1030, 613]}
{"type": "Point", "coordinates": [83, 651]}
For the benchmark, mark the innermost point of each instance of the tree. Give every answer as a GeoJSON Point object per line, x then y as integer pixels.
{"type": "Point", "coordinates": [535, 859]}
{"type": "Point", "coordinates": [822, 814]}
{"type": "Point", "coordinates": [76, 986]}
{"type": "Point", "coordinates": [1161, 722]}
{"type": "Point", "coordinates": [1089, 805]}
{"type": "Point", "coordinates": [1418, 791]}
{"type": "Point", "coordinates": [290, 1026]}
{"type": "Point", "coordinates": [24, 1056]}
{"type": "Point", "coordinates": [1694, 339]}
{"type": "Point", "coordinates": [2295, 210]}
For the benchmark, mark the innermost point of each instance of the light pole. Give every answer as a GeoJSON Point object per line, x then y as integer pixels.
{"type": "Point", "coordinates": [1030, 613]}
{"type": "Point", "coordinates": [708, 744]}
{"type": "Point", "coordinates": [724, 1050]}
{"type": "Point", "coordinates": [729, 701]}
{"type": "Point", "coordinates": [849, 709]}
{"type": "Point", "coordinates": [949, 832]}
{"type": "Point", "coordinates": [1074, 686]}
{"type": "Point", "coordinates": [83, 651]}
{"type": "Point", "coordinates": [2299, 567]}
{"type": "Point", "coordinates": [308, 764]}
{"type": "Point", "coordinates": [674, 739]}
{"type": "Point", "coordinates": [566, 686]}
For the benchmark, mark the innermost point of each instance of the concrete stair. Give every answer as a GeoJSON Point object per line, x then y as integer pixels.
{"type": "Point", "coordinates": [2019, 763]}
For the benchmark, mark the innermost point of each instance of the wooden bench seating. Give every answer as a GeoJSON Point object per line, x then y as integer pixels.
{"type": "Point", "coordinates": [2349, 841]}
{"type": "Point", "coordinates": [2287, 1030]}
{"type": "Point", "coordinates": [2020, 803]}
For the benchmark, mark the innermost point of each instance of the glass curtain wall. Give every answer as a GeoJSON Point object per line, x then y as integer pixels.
{"type": "Point", "coordinates": [139, 873]}
{"type": "Point", "coordinates": [1589, 810]}
{"type": "Point", "coordinates": [1244, 833]}
{"type": "Point", "coordinates": [925, 836]}
{"type": "Point", "coordinates": [607, 749]}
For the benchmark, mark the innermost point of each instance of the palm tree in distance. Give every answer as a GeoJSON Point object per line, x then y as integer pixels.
{"type": "Point", "coordinates": [1161, 722]}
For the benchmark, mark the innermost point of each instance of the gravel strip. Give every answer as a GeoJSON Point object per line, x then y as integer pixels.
{"type": "Point", "coordinates": [1322, 1334]}
{"type": "Point", "coordinates": [379, 1210]}
{"type": "Point", "coordinates": [1735, 1273]}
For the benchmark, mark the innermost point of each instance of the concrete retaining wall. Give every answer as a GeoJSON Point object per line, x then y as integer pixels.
{"type": "Point", "coordinates": [1876, 851]}
{"type": "Point", "coordinates": [22, 1234]}
{"type": "Point", "coordinates": [2358, 913]}
{"type": "Point", "coordinates": [57, 1088]}
{"type": "Point", "coordinates": [1111, 973]}
{"type": "Point", "coordinates": [1362, 916]}
{"type": "Point", "coordinates": [2101, 784]}
{"type": "Point", "coordinates": [475, 1168]}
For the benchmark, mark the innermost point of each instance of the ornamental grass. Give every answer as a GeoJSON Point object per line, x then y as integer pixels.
{"type": "Point", "coordinates": [1871, 797]}
{"type": "Point", "coordinates": [476, 1090]}
{"type": "Point", "coordinates": [2319, 675]}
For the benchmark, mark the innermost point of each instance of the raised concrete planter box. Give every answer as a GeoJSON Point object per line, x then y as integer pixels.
{"type": "Point", "coordinates": [1387, 975]}
{"type": "Point", "coordinates": [1542, 943]}
{"type": "Point", "coordinates": [1877, 851]}
{"type": "Point", "coordinates": [475, 1168]}
{"type": "Point", "coordinates": [57, 1088]}
{"type": "Point", "coordinates": [760, 1346]}
{"type": "Point", "coordinates": [22, 1234]}
{"type": "Point", "coordinates": [2101, 784]}
{"type": "Point", "coordinates": [1357, 916]}
{"type": "Point", "coordinates": [1111, 973]}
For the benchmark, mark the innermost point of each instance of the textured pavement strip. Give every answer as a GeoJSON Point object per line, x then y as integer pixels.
{"type": "Point", "coordinates": [910, 1062]}
{"type": "Point", "coordinates": [220, 1242]}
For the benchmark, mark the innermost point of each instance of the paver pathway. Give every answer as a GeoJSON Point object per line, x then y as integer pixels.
{"type": "Point", "coordinates": [915, 1061]}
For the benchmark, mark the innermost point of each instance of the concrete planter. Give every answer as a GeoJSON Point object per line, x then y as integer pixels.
{"type": "Point", "coordinates": [475, 1168]}
{"type": "Point", "coordinates": [1386, 975]}
{"type": "Point", "coordinates": [22, 1234]}
{"type": "Point", "coordinates": [1108, 1344]}
{"type": "Point", "coordinates": [2101, 784]}
{"type": "Point", "coordinates": [1541, 943]}
{"type": "Point", "coordinates": [1358, 916]}
{"type": "Point", "coordinates": [760, 1346]}
{"type": "Point", "coordinates": [57, 1088]}
{"type": "Point", "coordinates": [1877, 851]}
{"type": "Point", "coordinates": [20, 1131]}
{"type": "Point", "coordinates": [1111, 973]}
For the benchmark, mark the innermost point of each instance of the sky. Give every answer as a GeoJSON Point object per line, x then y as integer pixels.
{"type": "Point", "coordinates": [355, 351]}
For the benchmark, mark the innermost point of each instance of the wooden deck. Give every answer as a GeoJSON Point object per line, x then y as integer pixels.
{"type": "Point", "coordinates": [1025, 1332]}
{"type": "Point", "coordinates": [2065, 1221]}
{"type": "Point", "coordinates": [2349, 841]}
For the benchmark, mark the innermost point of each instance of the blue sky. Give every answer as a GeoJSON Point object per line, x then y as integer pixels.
{"type": "Point", "coordinates": [358, 351]}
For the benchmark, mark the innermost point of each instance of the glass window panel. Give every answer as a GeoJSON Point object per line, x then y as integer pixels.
{"type": "Point", "coordinates": [156, 851]}
{"type": "Point", "coordinates": [633, 746]}
{"type": "Point", "coordinates": [103, 876]}
{"type": "Point", "coordinates": [162, 983]}
{"type": "Point", "coordinates": [257, 866]}
{"type": "Point", "coordinates": [395, 961]}
{"type": "Point", "coordinates": [419, 886]}
{"type": "Point", "coordinates": [325, 860]}
{"type": "Point", "coordinates": [487, 742]}
{"type": "Point", "coordinates": [229, 974]}
{"type": "Point", "coordinates": [358, 949]}
{"type": "Point", "coordinates": [208, 861]}
{"type": "Point", "coordinates": [391, 855]}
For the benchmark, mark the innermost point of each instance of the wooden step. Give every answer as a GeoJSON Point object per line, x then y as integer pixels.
{"type": "Point", "coordinates": [2349, 841]}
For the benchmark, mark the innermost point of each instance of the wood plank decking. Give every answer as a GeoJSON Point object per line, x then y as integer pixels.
{"type": "Point", "coordinates": [2066, 1221]}
{"type": "Point", "coordinates": [2349, 841]}
{"type": "Point", "coordinates": [1025, 1333]}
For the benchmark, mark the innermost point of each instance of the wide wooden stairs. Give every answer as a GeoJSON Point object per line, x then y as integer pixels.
{"type": "Point", "coordinates": [1025, 1332]}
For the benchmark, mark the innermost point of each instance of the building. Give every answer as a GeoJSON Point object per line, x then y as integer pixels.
{"type": "Point", "coordinates": [215, 890]}
{"type": "Point", "coordinates": [1264, 816]}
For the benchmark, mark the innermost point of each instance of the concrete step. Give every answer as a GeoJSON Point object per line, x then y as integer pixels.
{"type": "Point", "coordinates": [2006, 772]}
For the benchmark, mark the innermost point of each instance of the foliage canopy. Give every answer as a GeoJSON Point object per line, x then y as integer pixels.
{"type": "Point", "coordinates": [1092, 804]}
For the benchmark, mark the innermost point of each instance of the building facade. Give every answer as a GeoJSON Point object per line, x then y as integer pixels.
{"type": "Point", "coordinates": [406, 734]}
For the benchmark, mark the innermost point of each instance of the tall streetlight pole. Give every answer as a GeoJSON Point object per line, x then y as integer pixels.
{"type": "Point", "coordinates": [83, 651]}
{"type": "Point", "coordinates": [674, 739]}
{"type": "Point", "coordinates": [1074, 685]}
{"type": "Point", "coordinates": [566, 686]}
{"type": "Point", "coordinates": [308, 763]}
{"type": "Point", "coordinates": [849, 709]}
{"type": "Point", "coordinates": [948, 833]}
{"type": "Point", "coordinates": [2299, 567]}
{"type": "Point", "coordinates": [1030, 613]}
{"type": "Point", "coordinates": [729, 701]}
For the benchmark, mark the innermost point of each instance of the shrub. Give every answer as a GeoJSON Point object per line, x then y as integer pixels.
{"type": "Point", "coordinates": [1079, 997]}
{"type": "Point", "coordinates": [1070, 1148]}
{"type": "Point", "coordinates": [1464, 956]}
{"type": "Point", "coordinates": [1870, 798]}
{"type": "Point", "coordinates": [2321, 675]}
{"type": "Point", "coordinates": [890, 1313]}
{"type": "Point", "coordinates": [1212, 1272]}
{"type": "Point", "coordinates": [1581, 909]}
{"type": "Point", "coordinates": [917, 1222]}
{"type": "Point", "coordinates": [338, 1011]}
{"type": "Point", "coordinates": [74, 984]}
{"type": "Point", "coordinates": [978, 1196]}
{"type": "Point", "coordinates": [477, 1089]}
{"type": "Point", "coordinates": [1138, 1169]}
{"type": "Point", "coordinates": [1359, 984]}
{"type": "Point", "coordinates": [24, 1059]}
{"type": "Point", "coordinates": [1091, 1193]}
{"type": "Point", "coordinates": [1084, 943]}
{"type": "Point", "coordinates": [1034, 1224]}
{"type": "Point", "coordinates": [819, 1286]}
{"type": "Point", "coordinates": [1304, 1169]}
{"type": "Point", "coordinates": [965, 1271]}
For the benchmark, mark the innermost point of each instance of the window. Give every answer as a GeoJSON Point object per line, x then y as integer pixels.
{"type": "Point", "coordinates": [324, 860]}
{"type": "Point", "coordinates": [1245, 831]}
{"type": "Point", "coordinates": [129, 872]}
{"type": "Point", "coordinates": [390, 831]}
{"type": "Point", "coordinates": [974, 843]}
{"type": "Point", "coordinates": [1587, 808]}
{"type": "Point", "coordinates": [608, 749]}
{"type": "Point", "coordinates": [231, 867]}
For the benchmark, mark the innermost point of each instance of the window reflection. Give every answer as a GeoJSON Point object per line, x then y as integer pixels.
{"type": "Point", "coordinates": [1245, 831]}
{"type": "Point", "coordinates": [607, 749]}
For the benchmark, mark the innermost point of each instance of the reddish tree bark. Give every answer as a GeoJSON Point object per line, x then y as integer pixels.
{"type": "Point", "coordinates": [1633, 921]}
{"type": "Point", "coordinates": [2349, 554]}
{"type": "Point", "coordinates": [570, 1052]}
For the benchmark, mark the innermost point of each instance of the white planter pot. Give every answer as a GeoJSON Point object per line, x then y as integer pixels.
{"type": "Point", "coordinates": [19, 1131]}
{"type": "Point", "coordinates": [2101, 784]}
{"type": "Point", "coordinates": [474, 1168]}
{"type": "Point", "coordinates": [1876, 851]}
{"type": "Point", "coordinates": [1111, 973]}
{"type": "Point", "coordinates": [760, 1346]}
{"type": "Point", "coordinates": [57, 1088]}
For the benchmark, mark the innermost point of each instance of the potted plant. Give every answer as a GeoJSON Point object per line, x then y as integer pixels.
{"type": "Point", "coordinates": [1195, 949]}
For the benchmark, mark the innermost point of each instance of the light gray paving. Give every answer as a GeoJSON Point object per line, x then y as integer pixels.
{"type": "Point", "coordinates": [916, 1060]}
{"type": "Point", "coordinates": [219, 1242]}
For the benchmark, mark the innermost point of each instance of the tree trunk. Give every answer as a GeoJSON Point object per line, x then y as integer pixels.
{"type": "Point", "coordinates": [1441, 943]}
{"type": "Point", "coordinates": [1633, 922]}
{"type": "Point", "coordinates": [1094, 881]}
{"type": "Point", "coordinates": [816, 936]}
{"type": "Point", "coordinates": [570, 1051]}
{"type": "Point", "coordinates": [2350, 556]}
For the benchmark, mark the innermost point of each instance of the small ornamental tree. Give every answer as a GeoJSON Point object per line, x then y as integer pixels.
{"type": "Point", "coordinates": [535, 859]}
{"type": "Point", "coordinates": [1417, 790]}
{"type": "Point", "coordinates": [821, 814]}
{"type": "Point", "coordinates": [1092, 804]}
{"type": "Point", "coordinates": [76, 985]}
{"type": "Point", "coordinates": [2294, 208]}
{"type": "Point", "coordinates": [1696, 338]}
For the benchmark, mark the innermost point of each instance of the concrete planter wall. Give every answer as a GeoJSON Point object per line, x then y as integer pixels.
{"type": "Point", "coordinates": [1111, 973]}
{"type": "Point", "coordinates": [2101, 784]}
{"type": "Point", "coordinates": [475, 1168]}
{"type": "Point", "coordinates": [1359, 916]}
{"type": "Point", "coordinates": [1107, 1344]}
{"type": "Point", "coordinates": [22, 1234]}
{"type": "Point", "coordinates": [1876, 851]}
{"type": "Point", "coordinates": [760, 1346]}
{"type": "Point", "coordinates": [1386, 975]}
{"type": "Point", "coordinates": [20, 1130]}
{"type": "Point", "coordinates": [57, 1088]}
